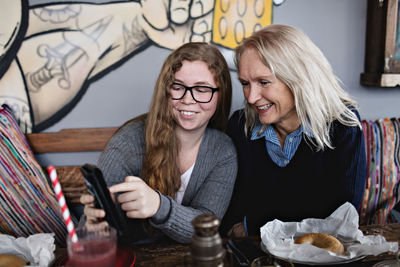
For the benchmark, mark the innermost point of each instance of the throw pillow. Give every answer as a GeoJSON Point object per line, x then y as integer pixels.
{"type": "Point", "coordinates": [28, 203]}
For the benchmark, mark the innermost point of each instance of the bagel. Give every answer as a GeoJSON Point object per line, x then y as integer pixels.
{"type": "Point", "coordinates": [322, 240]}
{"type": "Point", "coordinates": [10, 260]}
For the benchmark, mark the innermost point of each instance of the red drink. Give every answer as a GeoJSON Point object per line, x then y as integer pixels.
{"type": "Point", "coordinates": [94, 253]}
{"type": "Point", "coordinates": [94, 248]}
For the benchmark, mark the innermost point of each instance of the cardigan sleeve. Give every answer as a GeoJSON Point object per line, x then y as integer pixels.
{"type": "Point", "coordinates": [237, 207]}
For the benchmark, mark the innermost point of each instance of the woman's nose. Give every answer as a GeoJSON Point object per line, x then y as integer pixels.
{"type": "Point", "coordinates": [188, 98]}
{"type": "Point", "coordinates": [253, 95]}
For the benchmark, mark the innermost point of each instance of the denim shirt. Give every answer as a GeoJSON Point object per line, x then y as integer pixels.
{"type": "Point", "coordinates": [279, 157]}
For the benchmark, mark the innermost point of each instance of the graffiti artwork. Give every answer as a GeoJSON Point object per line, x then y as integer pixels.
{"type": "Point", "coordinates": [50, 53]}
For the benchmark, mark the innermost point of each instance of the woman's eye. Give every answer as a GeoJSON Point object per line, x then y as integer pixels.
{"type": "Point", "coordinates": [177, 88]}
{"type": "Point", "coordinates": [202, 89]}
{"type": "Point", "coordinates": [263, 83]}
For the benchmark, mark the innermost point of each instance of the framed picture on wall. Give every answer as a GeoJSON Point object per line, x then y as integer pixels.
{"type": "Point", "coordinates": [382, 49]}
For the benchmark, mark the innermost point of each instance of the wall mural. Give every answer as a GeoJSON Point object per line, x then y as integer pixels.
{"type": "Point", "coordinates": [51, 52]}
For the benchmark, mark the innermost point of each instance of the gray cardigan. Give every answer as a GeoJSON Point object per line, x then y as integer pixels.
{"type": "Point", "coordinates": [209, 189]}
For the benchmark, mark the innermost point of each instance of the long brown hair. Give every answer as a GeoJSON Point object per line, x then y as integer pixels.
{"type": "Point", "coordinates": [160, 167]}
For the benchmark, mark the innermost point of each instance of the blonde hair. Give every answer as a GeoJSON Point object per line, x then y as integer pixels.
{"type": "Point", "coordinates": [160, 166]}
{"type": "Point", "coordinates": [299, 63]}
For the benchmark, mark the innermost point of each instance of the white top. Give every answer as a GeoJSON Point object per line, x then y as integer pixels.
{"type": "Point", "coordinates": [185, 177]}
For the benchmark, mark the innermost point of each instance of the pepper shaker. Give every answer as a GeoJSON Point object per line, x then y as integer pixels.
{"type": "Point", "coordinates": [206, 247]}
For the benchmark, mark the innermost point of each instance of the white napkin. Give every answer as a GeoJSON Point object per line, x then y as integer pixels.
{"type": "Point", "coordinates": [278, 238]}
{"type": "Point", "coordinates": [38, 249]}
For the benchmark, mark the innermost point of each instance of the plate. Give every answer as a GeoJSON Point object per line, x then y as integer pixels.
{"type": "Point", "coordinates": [339, 261]}
{"type": "Point", "coordinates": [387, 263]}
{"type": "Point", "coordinates": [125, 258]}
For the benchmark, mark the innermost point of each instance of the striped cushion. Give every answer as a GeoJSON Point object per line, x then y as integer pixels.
{"type": "Point", "coordinates": [382, 141]}
{"type": "Point", "coordinates": [28, 204]}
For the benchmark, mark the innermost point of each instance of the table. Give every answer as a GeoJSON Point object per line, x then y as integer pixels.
{"type": "Point", "coordinates": [177, 255]}
{"type": "Point", "coordinates": [390, 231]}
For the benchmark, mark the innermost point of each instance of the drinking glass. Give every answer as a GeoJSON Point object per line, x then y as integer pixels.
{"type": "Point", "coordinates": [95, 247]}
{"type": "Point", "coordinates": [389, 263]}
{"type": "Point", "coordinates": [269, 260]}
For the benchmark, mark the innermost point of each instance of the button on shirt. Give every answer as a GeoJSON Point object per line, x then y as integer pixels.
{"type": "Point", "coordinates": [278, 156]}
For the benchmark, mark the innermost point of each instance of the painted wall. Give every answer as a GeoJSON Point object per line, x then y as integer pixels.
{"type": "Point", "coordinates": [336, 26]}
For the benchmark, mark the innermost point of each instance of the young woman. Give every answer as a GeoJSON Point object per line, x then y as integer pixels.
{"type": "Point", "coordinates": [299, 139]}
{"type": "Point", "coordinates": [175, 163]}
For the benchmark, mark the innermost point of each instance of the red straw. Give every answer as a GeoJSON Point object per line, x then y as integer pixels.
{"type": "Point", "coordinates": [63, 204]}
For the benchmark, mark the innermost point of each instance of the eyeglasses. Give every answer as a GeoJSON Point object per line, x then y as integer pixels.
{"type": "Point", "coordinates": [200, 93]}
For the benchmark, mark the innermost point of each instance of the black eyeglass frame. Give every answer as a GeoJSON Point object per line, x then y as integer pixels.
{"type": "Point", "coordinates": [189, 88]}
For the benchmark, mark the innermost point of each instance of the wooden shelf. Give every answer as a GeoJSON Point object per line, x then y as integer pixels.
{"type": "Point", "coordinates": [382, 60]}
{"type": "Point", "coordinates": [380, 79]}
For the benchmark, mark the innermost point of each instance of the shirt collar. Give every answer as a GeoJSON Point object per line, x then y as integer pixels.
{"type": "Point", "coordinates": [268, 132]}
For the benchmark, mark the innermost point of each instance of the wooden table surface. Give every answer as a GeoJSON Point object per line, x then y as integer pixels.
{"type": "Point", "coordinates": [172, 254]}
{"type": "Point", "coordinates": [390, 231]}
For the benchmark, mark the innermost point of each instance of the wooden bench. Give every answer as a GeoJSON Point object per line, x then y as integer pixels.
{"type": "Point", "coordinates": [71, 140]}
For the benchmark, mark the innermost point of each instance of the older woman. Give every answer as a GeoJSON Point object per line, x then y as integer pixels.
{"type": "Point", "coordinates": [299, 138]}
